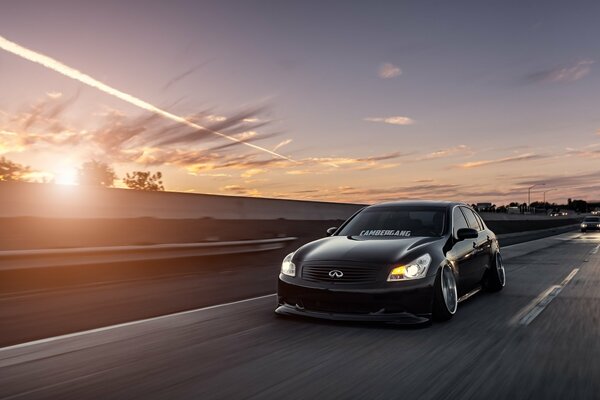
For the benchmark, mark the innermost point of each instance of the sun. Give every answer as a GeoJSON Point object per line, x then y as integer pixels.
{"type": "Point", "coordinates": [66, 176]}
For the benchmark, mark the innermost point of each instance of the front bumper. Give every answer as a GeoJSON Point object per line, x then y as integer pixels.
{"type": "Point", "coordinates": [400, 302]}
{"type": "Point", "coordinates": [591, 228]}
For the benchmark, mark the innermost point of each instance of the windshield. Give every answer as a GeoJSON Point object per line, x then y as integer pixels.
{"type": "Point", "coordinates": [591, 219]}
{"type": "Point", "coordinates": [397, 222]}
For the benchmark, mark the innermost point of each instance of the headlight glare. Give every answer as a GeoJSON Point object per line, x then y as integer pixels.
{"type": "Point", "coordinates": [584, 225]}
{"type": "Point", "coordinates": [287, 266]}
{"type": "Point", "coordinates": [414, 270]}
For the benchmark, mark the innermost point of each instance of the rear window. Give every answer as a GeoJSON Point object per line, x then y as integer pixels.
{"type": "Point", "coordinates": [397, 222]}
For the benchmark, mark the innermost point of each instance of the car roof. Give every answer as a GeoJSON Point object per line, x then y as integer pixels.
{"type": "Point", "coordinates": [419, 203]}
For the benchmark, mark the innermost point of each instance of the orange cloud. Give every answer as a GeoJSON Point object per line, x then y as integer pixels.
{"type": "Point", "coordinates": [72, 73]}
{"type": "Point", "coordinates": [483, 163]}
{"type": "Point", "coordinates": [239, 190]}
{"type": "Point", "coordinates": [447, 152]}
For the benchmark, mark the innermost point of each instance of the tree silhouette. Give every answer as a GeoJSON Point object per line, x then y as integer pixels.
{"type": "Point", "coordinates": [144, 180]}
{"type": "Point", "coordinates": [12, 171]}
{"type": "Point", "coordinates": [96, 173]}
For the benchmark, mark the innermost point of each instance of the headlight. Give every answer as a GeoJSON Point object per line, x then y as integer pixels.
{"type": "Point", "coordinates": [414, 270]}
{"type": "Point", "coordinates": [584, 225]}
{"type": "Point", "coordinates": [287, 266]}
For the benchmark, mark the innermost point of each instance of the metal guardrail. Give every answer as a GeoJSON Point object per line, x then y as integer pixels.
{"type": "Point", "coordinates": [43, 258]}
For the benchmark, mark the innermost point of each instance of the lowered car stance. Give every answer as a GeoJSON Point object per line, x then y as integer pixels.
{"type": "Point", "coordinates": [590, 224]}
{"type": "Point", "coordinates": [402, 262]}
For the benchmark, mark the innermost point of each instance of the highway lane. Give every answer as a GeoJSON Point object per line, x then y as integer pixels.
{"type": "Point", "coordinates": [121, 293]}
{"type": "Point", "coordinates": [242, 350]}
{"type": "Point", "coordinates": [49, 302]}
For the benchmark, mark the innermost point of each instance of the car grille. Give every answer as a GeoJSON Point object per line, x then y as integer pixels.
{"type": "Point", "coordinates": [351, 273]}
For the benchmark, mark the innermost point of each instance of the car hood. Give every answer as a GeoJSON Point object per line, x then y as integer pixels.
{"type": "Point", "coordinates": [361, 249]}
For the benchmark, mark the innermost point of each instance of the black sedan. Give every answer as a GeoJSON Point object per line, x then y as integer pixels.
{"type": "Point", "coordinates": [590, 224]}
{"type": "Point", "coordinates": [407, 262]}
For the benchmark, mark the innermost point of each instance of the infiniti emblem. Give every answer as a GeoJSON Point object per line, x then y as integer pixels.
{"type": "Point", "coordinates": [336, 273]}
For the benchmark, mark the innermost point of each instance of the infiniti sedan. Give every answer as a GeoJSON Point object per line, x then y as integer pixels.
{"type": "Point", "coordinates": [403, 262]}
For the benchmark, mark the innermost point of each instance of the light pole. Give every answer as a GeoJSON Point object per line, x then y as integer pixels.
{"type": "Point", "coordinates": [546, 191]}
{"type": "Point", "coordinates": [529, 194]}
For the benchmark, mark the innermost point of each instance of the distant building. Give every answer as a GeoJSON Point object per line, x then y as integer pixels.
{"type": "Point", "coordinates": [484, 206]}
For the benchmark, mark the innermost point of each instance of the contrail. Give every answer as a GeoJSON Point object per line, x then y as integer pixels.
{"type": "Point", "coordinates": [72, 73]}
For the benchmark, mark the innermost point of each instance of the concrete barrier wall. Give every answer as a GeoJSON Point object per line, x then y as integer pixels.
{"type": "Point", "coordinates": [56, 201]}
{"type": "Point", "coordinates": [38, 216]}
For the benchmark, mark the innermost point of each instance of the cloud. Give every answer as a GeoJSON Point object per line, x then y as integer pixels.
{"type": "Point", "coordinates": [252, 172]}
{"type": "Point", "coordinates": [88, 80]}
{"type": "Point", "coordinates": [388, 70]}
{"type": "Point", "coordinates": [394, 120]}
{"type": "Point", "coordinates": [151, 141]}
{"type": "Point", "coordinates": [42, 123]}
{"type": "Point", "coordinates": [299, 172]}
{"type": "Point", "coordinates": [575, 180]}
{"type": "Point", "coordinates": [215, 118]}
{"type": "Point", "coordinates": [570, 73]}
{"type": "Point", "coordinates": [425, 189]}
{"type": "Point", "coordinates": [118, 138]}
{"type": "Point", "coordinates": [239, 190]}
{"type": "Point", "coordinates": [370, 195]}
{"type": "Point", "coordinates": [383, 157]}
{"type": "Point", "coordinates": [483, 163]}
{"type": "Point", "coordinates": [447, 152]}
{"type": "Point", "coordinates": [590, 151]}
{"type": "Point", "coordinates": [10, 142]}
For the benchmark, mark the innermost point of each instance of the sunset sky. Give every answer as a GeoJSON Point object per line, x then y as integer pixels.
{"type": "Point", "coordinates": [336, 101]}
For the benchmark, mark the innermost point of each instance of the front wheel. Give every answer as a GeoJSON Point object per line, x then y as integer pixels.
{"type": "Point", "coordinates": [496, 275]}
{"type": "Point", "coordinates": [445, 298]}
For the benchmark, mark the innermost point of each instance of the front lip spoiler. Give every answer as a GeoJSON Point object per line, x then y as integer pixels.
{"type": "Point", "coordinates": [399, 318]}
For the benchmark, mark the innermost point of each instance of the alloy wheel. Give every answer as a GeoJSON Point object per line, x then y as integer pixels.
{"type": "Point", "coordinates": [448, 283]}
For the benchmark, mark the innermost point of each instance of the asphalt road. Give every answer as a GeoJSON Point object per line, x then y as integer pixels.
{"type": "Point", "coordinates": [498, 346]}
{"type": "Point", "coordinates": [44, 302]}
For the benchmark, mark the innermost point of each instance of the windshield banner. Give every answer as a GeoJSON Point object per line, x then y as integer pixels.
{"type": "Point", "coordinates": [388, 232]}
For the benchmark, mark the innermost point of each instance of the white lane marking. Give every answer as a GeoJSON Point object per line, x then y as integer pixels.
{"type": "Point", "coordinates": [535, 308]}
{"type": "Point", "coordinates": [124, 324]}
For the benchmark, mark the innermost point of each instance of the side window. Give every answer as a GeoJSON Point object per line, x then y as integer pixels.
{"type": "Point", "coordinates": [481, 223]}
{"type": "Point", "coordinates": [471, 219]}
{"type": "Point", "coordinates": [458, 221]}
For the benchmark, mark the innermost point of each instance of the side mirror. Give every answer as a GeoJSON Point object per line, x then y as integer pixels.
{"type": "Point", "coordinates": [466, 233]}
{"type": "Point", "coordinates": [331, 230]}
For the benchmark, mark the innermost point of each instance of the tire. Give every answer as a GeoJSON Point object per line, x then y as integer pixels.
{"type": "Point", "coordinates": [445, 297]}
{"type": "Point", "coordinates": [583, 231]}
{"type": "Point", "coordinates": [496, 275]}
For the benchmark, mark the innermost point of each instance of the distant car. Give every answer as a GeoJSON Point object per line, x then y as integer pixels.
{"type": "Point", "coordinates": [590, 224]}
{"type": "Point", "coordinates": [407, 262]}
